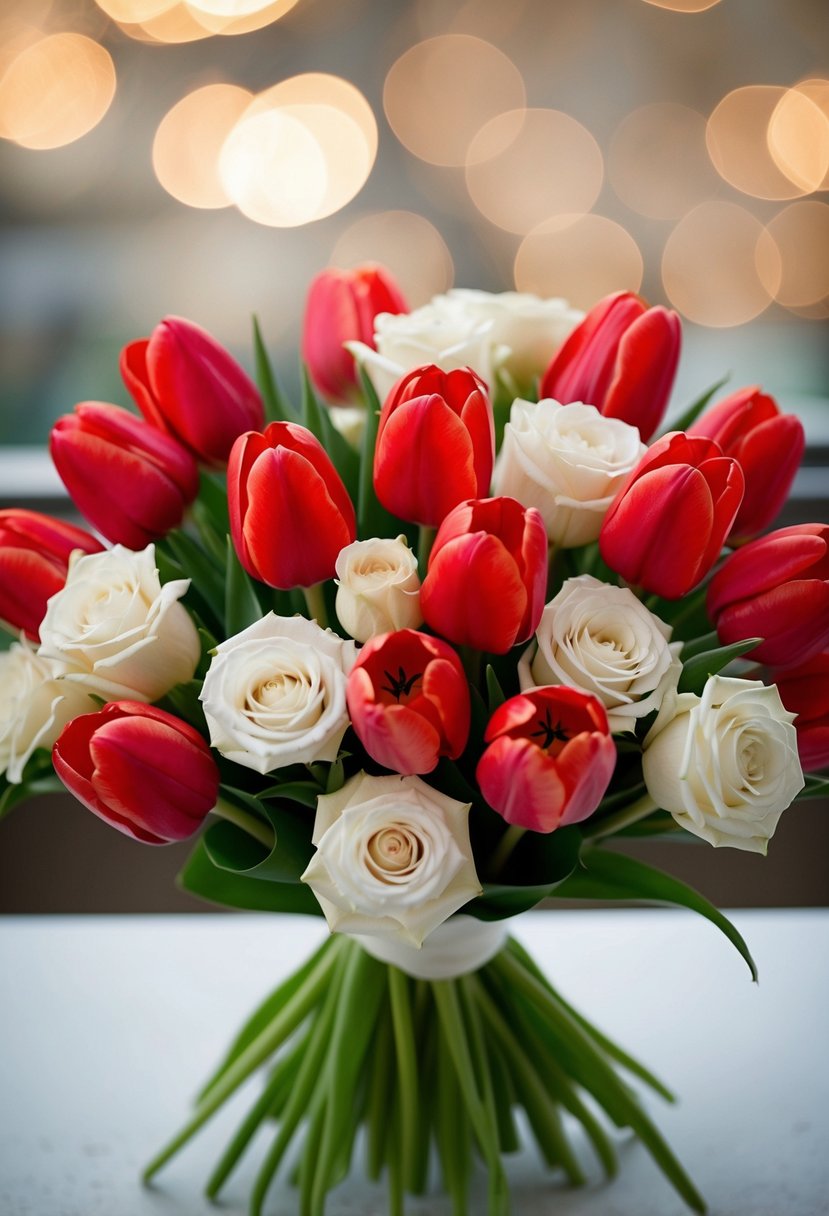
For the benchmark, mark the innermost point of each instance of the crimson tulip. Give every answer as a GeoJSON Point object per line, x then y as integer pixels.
{"type": "Point", "coordinates": [435, 444]}
{"type": "Point", "coordinates": [622, 359]}
{"type": "Point", "coordinates": [749, 426]}
{"type": "Point", "coordinates": [34, 556]}
{"type": "Point", "coordinates": [409, 701]}
{"type": "Point", "coordinates": [776, 588]}
{"type": "Point", "coordinates": [140, 769]}
{"type": "Point", "coordinates": [290, 514]}
{"type": "Point", "coordinates": [131, 481]}
{"type": "Point", "coordinates": [487, 575]}
{"type": "Point", "coordinates": [341, 307]}
{"type": "Point", "coordinates": [185, 383]}
{"type": "Point", "coordinates": [804, 690]}
{"type": "Point", "coordinates": [550, 758]}
{"type": "Point", "coordinates": [667, 525]}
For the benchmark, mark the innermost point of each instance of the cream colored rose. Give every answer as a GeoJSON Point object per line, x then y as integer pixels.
{"type": "Point", "coordinates": [393, 858]}
{"type": "Point", "coordinates": [725, 764]}
{"type": "Point", "coordinates": [35, 705]}
{"type": "Point", "coordinates": [378, 587]}
{"type": "Point", "coordinates": [568, 461]}
{"type": "Point", "coordinates": [118, 632]}
{"type": "Point", "coordinates": [275, 693]}
{"type": "Point", "coordinates": [602, 639]}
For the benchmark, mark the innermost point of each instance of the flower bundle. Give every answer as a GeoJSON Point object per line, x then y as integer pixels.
{"type": "Point", "coordinates": [411, 669]}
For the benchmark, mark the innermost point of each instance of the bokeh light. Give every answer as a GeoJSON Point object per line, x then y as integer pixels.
{"type": "Point", "coordinates": [177, 21]}
{"type": "Point", "coordinates": [273, 169]}
{"type": "Point", "coordinates": [55, 91]}
{"type": "Point", "coordinates": [189, 140]}
{"type": "Point", "coordinates": [657, 161]}
{"type": "Point", "coordinates": [684, 6]}
{"type": "Point", "coordinates": [580, 257]}
{"type": "Point", "coordinates": [135, 11]}
{"type": "Point", "coordinates": [737, 139]}
{"type": "Point", "coordinates": [173, 26]}
{"type": "Point", "coordinates": [407, 243]}
{"type": "Point", "coordinates": [798, 139]}
{"type": "Point", "coordinates": [817, 90]}
{"type": "Point", "coordinates": [801, 233]}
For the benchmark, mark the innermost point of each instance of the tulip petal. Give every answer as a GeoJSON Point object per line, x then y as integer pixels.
{"type": "Point", "coordinates": [473, 594]}
{"type": "Point", "coordinates": [645, 370]}
{"type": "Point", "coordinates": [522, 784]}
{"type": "Point", "coordinates": [800, 550]}
{"type": "Point", "coordinates": [424, 461]}
{"type": "Point", "coordinates": [769, 457]}
{"type": "Point", "coordinates": [27, 580]}
{"type": "Point", "coordinates": [582, 368]}
{"type": "Point", "coordinates": [794, 619]}
{"type": "Point", "coordinates": [398, 738]}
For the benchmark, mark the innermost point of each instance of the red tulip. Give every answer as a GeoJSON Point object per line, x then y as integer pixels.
{"type": "Point", "coordinates": [188, 385]}
{"type": "Point", "coordinates": [409, 701]}
{"type": "Point", "coordinates": [290, 514]}
{"type": "Point", "coordinates": [487, 575]}
{"type": "Point", "coordinates": [131, 481]}
{"type": "Point", "coordinates": [435, 444]}
{"type": "Point", "coordinates": [550, 758]}
{"type": "Point", "coordinates": [341, 307]}
{"type": "Point", "coordinates": [768, 445]}
{"type": "Point", "coordinates": [34, 555]}
{"type": "Point", "coordinates": [622, 358]}
{"type": "Point", "coordinates": [143, 771]}
{"type": "Point", "coordinates": [776, 588]}
{"type": "Point", "coordinates": [804, 690]}
{"type": "Point", "coordinates": [667, 525]}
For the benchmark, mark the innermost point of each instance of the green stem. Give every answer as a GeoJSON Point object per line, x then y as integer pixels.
{"type": "Point", "coordinates": [248, 822]}
{"type": "Point", "coordinates": [640, 809]}
{"type": "Point", "coordinates": [471, 660]}
{"type": "Point", "coordinates": [315, 602]}
{"type": "Point", "coordinates": [425, 540]}
{"type": "Point", "coordinates": [504, 849]}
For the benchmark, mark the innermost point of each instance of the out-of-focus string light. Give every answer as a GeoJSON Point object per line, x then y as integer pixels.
{"type": "Point", "coordinates": [684, 6]}
{"type": "Point", "coordinates": [178, 21]}
{"type": "Point", "coordinates": [817, 90]}
{"type": "Point", "coordinates": [580, 257]}
{"type": "Point", "coordinates": [135, 11]}
{"type": "Point", "coordinates": [801, 233]}
{"type": "Point", "coordinates": [273, 169]}
{"type": "Point", "coordinates": [407, 243]}
{"type": "Point", "coordinates": [189, 140]}
{"type": "Point", "coordinates": [55, 91]}
{"type": "Point", "coordinates": [657, 161]}
{"type": "Point", "coordinates": [738, 144]}
{"type": "Point", "coordinates": [798, 139]}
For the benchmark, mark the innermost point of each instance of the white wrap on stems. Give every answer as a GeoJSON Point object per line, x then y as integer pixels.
{"type": "Point", "coordinates": [458, 946]}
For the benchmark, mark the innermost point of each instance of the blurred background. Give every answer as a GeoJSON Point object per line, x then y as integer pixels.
{"type": "Point", "coordinates": [207, 158]}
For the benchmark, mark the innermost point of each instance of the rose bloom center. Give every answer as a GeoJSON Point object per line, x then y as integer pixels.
{"type": "Point", "coordinates": [393, 851]}
{"type": "Point", "coordinates": [108, 603]}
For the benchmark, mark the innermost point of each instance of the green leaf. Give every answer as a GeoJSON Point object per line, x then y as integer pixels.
{"type": "Point", "coordinates": [304, 792]}
{"type": "Point", "coordinates": [42, 781]}
{"type": "Point", "coordinates": [206, 575]}
{"type": "Point", "coordinates": [696, 671]}
{"type": "Point", "coordinates": [695, 646]}
{"type": "Point", "coordinates": [183, 700]}
{"type": "Point", "coordinates": [495, 693]}
{"type": "Point", "coordinates": [238, 890]}
{"type": "Point", "coordinates": [372, 518]}
{"type": "Point", "coordinates": [231, 848]}
{"type": "Point", "coordinates": [815, 787]}
{"type": "Point", "coordinates": [317, 419]}
{"type": "Point", "coordinates": [277, 406]}
{"type": "Point", "coordinates": [242, 607]}
{"type": "Point", "coordinates": [542, 862]}
{"type": "Point", "coordinates": [690, 415]}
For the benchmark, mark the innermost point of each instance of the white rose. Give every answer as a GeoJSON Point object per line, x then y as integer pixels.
{"type": "Point", "coordinates": [274, 694]}
{"type": "Point", "coordinates": [725, 764]}
{"type": "Point", "coordinates": [35, 705]}
{"type": "Point", "coordinates": [568, 461]}
{"type": "Point", "coordinates": [117, 630]}
{"type": "Point", "coordinates": [379, 590]}
{"type": "Point", "coordinates": [602, 639]}
{"type": "Point", "coordinates": [393, 858]}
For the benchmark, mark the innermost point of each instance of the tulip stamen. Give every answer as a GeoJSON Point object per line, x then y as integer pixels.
{"type": "Point", "coordinates": [549, 733]}
{"type": "Point", "coordinates": [400, 685]}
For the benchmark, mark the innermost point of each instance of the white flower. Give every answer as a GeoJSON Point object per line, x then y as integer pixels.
{"type": "Point", "coordinates": [725, 764]}
{"type": "Point", "coordinates": [35, 705]}
{"type": "Point", "coordinates": [568, 461]}
{"type": "Point", "coordinates": [393, 858]}
{"type": "Point", "coordinates": [117, 630]}
{"type": "Point", "coordinates": [602, 639]}
{"type": "Point", "coordinates": [274, 694]}
{"type": "Point", "coordinates": [379, 590]}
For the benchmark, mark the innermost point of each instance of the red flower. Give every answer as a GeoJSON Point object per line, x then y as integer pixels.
{"type": "Point", "coordinates": [435, 444]}
{"type": "Point", "coordinates": [550, 758]}
{"type": "Point", "coordinates": [487, 575]}
{"type": "Point", "coordinates": [776, 588]}
{"type": "Point", "coordinates": [667, 525]}
{"type": "Point", "coordinates": [804, 690]}
{"type": "Point", "coordinates": [188, 385]}
{"type": "Point", "coordinates": [622, 358]}
{"type": "Point", "coordinates": [341, 307]}
{"type": "Point", "coordinates": [289, 512]}
{"type": "Point", "coordinates": [409, 701]}
{"type": "Point", "coordinates": [34, 554]}
{"type": "Point", "coordinates": [131, 481]}
{"type": "Point", "coordinates": [768, 445]}
{"type": "Point", "coordinates": [143, 771]}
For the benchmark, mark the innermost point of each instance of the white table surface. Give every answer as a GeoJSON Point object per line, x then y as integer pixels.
{"type": "Point", "coordinates": [108, 1025]}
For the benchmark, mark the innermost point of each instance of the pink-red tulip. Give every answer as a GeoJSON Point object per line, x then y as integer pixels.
{"type": "Point", "coordinates": [804, 690]}
{"type": "Point", "coordinates": [341, 307]}
{"type": "Point", "coordinates": [667, 525]}
{"type": "Point", "coordinates": [622, 358]}
{"type": "Point", "coordinates": [131, 481]}
{"type": "Point", "coordinates": [409, 701]}
{"type": "Point", "coordinates": [34, 554]}
{"type": "Point", "coordinates": [550, 758]}
{"type": "Point", "coordinates": [290, 514]}
{"type": "Point", "coordinates": [487, 575]}
{"type": "Point", "coordinates": [188, 385]}
{"type": "Point", "coordinates": [140, 769]}
{"type": "Point", "coordinates": [435, 444]}
{"type": "Point", "coordinates": [776, 588]}
{"type": "Point", "coordinates": [769, 447]}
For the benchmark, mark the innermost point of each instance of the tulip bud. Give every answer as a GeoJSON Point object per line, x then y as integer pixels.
{"type": "Point", "coordinates": [409, 701]}
{"type": "Point", "coordinates": [131, 481]}
{"type": "Point", "coordinates": [34, 555]}
{"type": "Point", "coordinates": [776, 588]}
{"type": "Point", "coordinates": [188, 385]}
{"type": "Point", "coordinates": [290, 514]}
{"type": "Point", "coordinates": [622, 358]}
{"type": "Point", "coordinates": [487, 575]}
{"type": "Point", "coordinates": [435, 444]}
{"type": "Point", "coordinates": [768, 446]}
{"type": "Point", "coordinates": [140, 769]}
{"type": "Point", "coordinates": [550, 758]}
{"type": "Point", "coordinates": [341, 307]}
{"type": "Point", "coordinates": [378, 589]}
{"type": "Point", "coordinates": [804, 690]}
{"type": "Point", "coordinates": [667, 525]}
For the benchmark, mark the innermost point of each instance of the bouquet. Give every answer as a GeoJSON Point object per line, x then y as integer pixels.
{"type": "Point", "coordinates": [409, 654]}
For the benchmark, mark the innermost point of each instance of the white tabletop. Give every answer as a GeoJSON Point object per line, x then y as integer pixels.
{"type": "Point", "coordinates": [107, 1026]}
